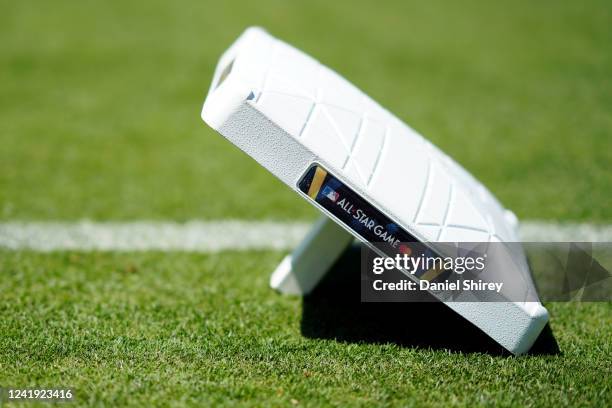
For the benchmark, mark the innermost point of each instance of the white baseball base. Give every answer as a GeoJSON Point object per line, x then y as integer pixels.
{"type": "Point", "coordinates": [289, 112]}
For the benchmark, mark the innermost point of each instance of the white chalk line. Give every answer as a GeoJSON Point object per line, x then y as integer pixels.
{"type": "Point", "coordinates": [215, 236]}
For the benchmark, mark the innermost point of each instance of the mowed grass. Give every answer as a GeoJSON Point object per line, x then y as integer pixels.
{"type": "Point", "coordinates": [100, 101]}
{"type": "Point", "coordinates": [176, 329]}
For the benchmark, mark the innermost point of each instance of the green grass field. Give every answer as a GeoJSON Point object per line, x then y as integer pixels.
{"type": "Point", "coordinates": [99, 119]}
{"type": "Point", "coordinates": [176, 329]}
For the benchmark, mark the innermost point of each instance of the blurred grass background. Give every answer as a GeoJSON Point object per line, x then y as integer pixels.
{"type": "Point", "coordinates": [100, 101]}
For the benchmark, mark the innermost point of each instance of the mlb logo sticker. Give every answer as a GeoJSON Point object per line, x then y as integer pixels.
{"type": "Point", "coordinates": [330, 193]}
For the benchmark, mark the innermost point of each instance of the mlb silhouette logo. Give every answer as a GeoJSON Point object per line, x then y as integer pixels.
{"type": "Point", "coordinates": [330, 193]}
